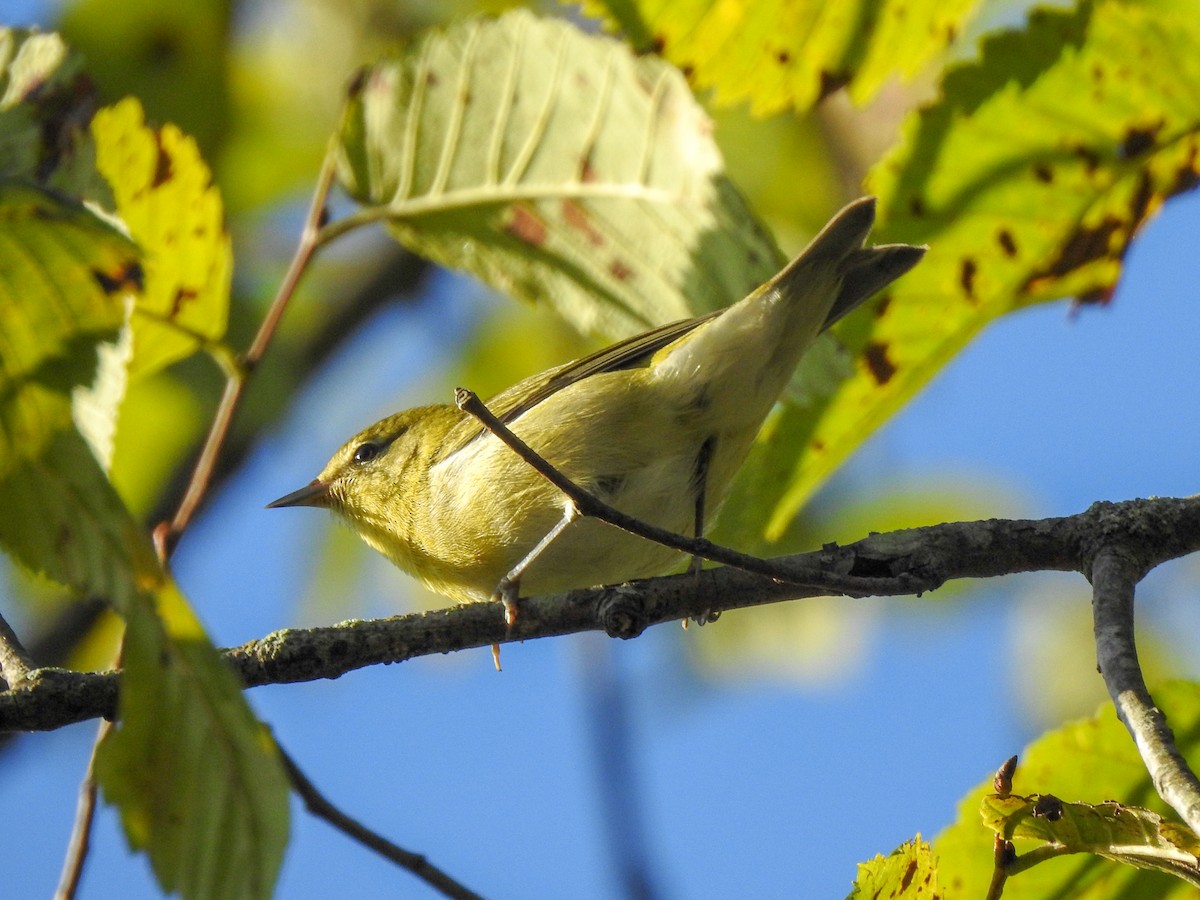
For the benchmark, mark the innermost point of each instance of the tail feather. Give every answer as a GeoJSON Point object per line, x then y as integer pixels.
{"type": "Point", "coordinates": [863, 270]}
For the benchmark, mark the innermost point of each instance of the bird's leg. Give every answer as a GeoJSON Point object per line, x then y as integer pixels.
{"type": "Point", "coordinates": [700, 478]}
{"type": "Point", "coordinates": [510, 585]}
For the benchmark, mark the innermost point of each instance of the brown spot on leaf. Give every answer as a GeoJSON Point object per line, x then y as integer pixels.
{"type": "Point", "coordinates": [1100, 296]}
{"type": "Point", "coordinates": [966, 276]}
{"type": "Point", "coordinates": [182, 296]}
{"type": "Point", "coordinates": [1043, 173]}
{"type": "Point", "coordinates": [619, 270]}
{"type": "Point", "coordinates": [881, 307]}
{"type": "Point", "coordinates": [907, 878]}
{"type": "Point", "coordinates": [657, 45]}
{"type": "Point", "coordinates": [916, 206]}
{"type": "Point", "coordinates": [162, 163]}
{"type": "Point", "coordinates": [525, 226]}
{"type": "Point", "coordinates": [1007, 242]}
{"type": "Point", "coordinates": [1090, 160]}
{"type": "Point", "coordinates": [1084, 246]}
{"type": "Point", "coordinates": [688, 71]}
{"type": "Point", "coordinates": [1138, 140]}
{"type": "Point", "coordinates": [576, 216]}
{"type": "Point", "coordinates": [783, 57]}
{"type": "Point", "coordinates": [1143, 200]}
{"type": "Point", "coordinates": [1185, 180]}
{"type": "Point", "coordinates": [876, 356]}
{"type": "Point", "coordinates": [127, 278]}
{"type": "Point", "coordinates": [818, 446]}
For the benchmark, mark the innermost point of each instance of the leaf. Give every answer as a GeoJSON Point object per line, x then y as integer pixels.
{"type": "Point", "coordinates": [66, 277]}
{"type": "Point", "coordinates": [180, 765]}
{"type": "Point", "coordinates": [44, 99]}
{"type": "Point", "coordinates": [165, 196]}
{"type": "Point", "coordinates": [908, 872]}
{"type": "Point", "coordinates": [197, 778]}
{"type": "Point", "coordinates": [790, 53]}
{"type": "Point", "coordinates": [1126, 834]}
{"type": "Point", "coordinates": [1028, 179]}
{"type": "Point", "coordinates": [1094, 760]}
{"type": "Point", "coordinates": [556, 166]}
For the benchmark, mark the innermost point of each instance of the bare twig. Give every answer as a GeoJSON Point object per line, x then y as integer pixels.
{"type": "Point", "coordinates": [167, 534]}
{"type": "Point", "coordinates": [589, 505]}
{"type": "Point", "coordinates": [81, 831]}
{"type": "Point", "coordinates": [418, 865]}
{"type": "Point", "coordinates": [15, 663]}
{"type": "Point", "coordinates": [1114, 575]}
{"type": "Point", "coordinates": [880, 565]}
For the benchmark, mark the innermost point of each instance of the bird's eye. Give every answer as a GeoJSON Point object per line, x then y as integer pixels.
{"type": "Point", "coordinates": [366, 452]}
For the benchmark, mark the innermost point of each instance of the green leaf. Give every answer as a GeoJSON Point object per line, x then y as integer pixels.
{"type": "Point", "coordinates": [197, 778]}
{"type": "Point", "coordinates": [165, 197]}
{"type": "Point", "coordinates": [1091, 760]}
{"type": "Point", "coordinates": [66, 277]}
{"type": "Point", "coordinates": [1028, 179]}
{"type": "Point", "coordinates": [791, 53]}
{"type": "Point", "coordinates": [908, 872]}
{"type": "Point", "coordinates": [44, 96]}
{"type": "Point", "coordinates": [1125, 834]}
{"type": "Point", "coordinates": [180, 765]}
{"type": "Point", "coordinates": [556, 166]}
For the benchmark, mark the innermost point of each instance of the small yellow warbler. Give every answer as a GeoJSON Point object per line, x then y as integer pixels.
{"type": "Point", "coordinates": [656, 425]}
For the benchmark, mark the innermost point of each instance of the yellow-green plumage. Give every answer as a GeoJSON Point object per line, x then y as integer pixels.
{"type": "Point", "coordinates": [449, 503]}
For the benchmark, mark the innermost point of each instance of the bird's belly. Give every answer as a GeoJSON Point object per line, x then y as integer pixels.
{"type": "Point", "coordinates": [589, 552]}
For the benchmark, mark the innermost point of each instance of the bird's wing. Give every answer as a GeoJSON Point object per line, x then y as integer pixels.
{"type": "Point", "coordinates": [631, 353]}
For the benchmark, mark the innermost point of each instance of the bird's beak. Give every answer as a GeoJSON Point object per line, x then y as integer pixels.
{"type": "Point", "coordinates": [315, 493]}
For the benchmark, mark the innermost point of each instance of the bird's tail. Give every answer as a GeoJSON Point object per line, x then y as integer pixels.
{"type": "Point", "coordinates": [863, 270]}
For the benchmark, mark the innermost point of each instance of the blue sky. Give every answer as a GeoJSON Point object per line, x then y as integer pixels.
{"type": "Point", "coordinates": [750, 784]}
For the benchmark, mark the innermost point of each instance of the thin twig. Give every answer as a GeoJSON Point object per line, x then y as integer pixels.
{"type": "Point", "coordinates": [415, 863]}
{"type": "Point", "coordinates": [901, 562]}
{"type": "Point", "coordinates": [15, 663]}
{"type": "Point", "coordinates": [166, 535]}
{"type": "Point", "coordinates": [590, 505]}
{"type": "Point", "coordinates": [81, 831]}
{"type": "Point", "coordinates": [1114, 576]}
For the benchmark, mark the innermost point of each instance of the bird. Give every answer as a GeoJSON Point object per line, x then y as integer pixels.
{"type": "Point", "coordinates": [656, 425]}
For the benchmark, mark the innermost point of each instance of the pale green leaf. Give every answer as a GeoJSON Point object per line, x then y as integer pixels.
{"type": "Point", "coordinates": [1093, 760]}
{"type": "Point", "coordinates": [556, 166]}
{"type": "Point", "coordinates": [908, 872]}
{"type": "Point", "coordinates": [791, 53]}
{"type": "Point", "coordinates": [1027, 179]}
{"type": "Point", "coordinates": [1126, 834]}
{"type": "Point", "coordinates": [165, 197]}
{"type": "Point", "coordinates": [197, 778]}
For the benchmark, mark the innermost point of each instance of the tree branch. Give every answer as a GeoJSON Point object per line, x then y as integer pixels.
{"type": "Point", "coordinates": [15, 663]}
{"type": "Point", "coordinates": [316, 803]}
{"type": "Point", "coordinates": [909, 561]}
{"type": "Point", "coordinates": [1114, 575]}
